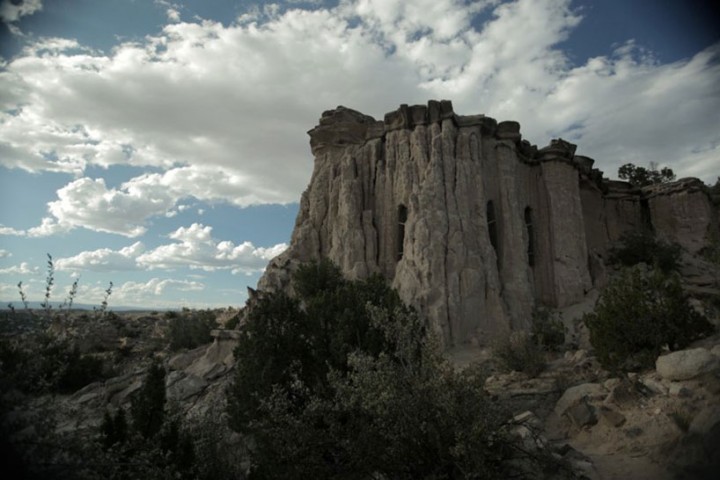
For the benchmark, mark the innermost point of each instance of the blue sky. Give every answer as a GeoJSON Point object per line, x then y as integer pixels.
{"type": "Point", "coordinates": [161, 145]}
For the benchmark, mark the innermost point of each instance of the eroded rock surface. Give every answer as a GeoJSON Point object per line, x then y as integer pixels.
{"type": "Point", "coordinates": [472, 224]}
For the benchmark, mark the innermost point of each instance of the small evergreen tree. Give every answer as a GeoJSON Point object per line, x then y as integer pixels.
{"type": "Point", "coordinates": [345, 381]}
{"type": "Point", "coordinates": [191, 329]}
{"type": "Point", "coordinates": [114, 429]}
{"type": "Point", "coordinates": [638, 314]}
{"type": "Point", "coordinates": [148, 405]}
{"type": "Point", "coordinates": [642, 177]}
{"type": "Point", "coordinates": [641, 246]}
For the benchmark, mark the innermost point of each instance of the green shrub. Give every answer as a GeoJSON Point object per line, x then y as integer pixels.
{"type": "Point", "coordinates": [233, 322]}
{"type": "Point", "coordinates": [642, 177]}
{"type": "Point", "coordinates": [347, 382]}
{"type": "Point", "coordinates": [114, 429]}
{"type": "Point", "coordinates": [148, 405]}
{"type": "Point", "coordinates": [548, 330]}
{"type": "Point", "coordinates": [79, 370]}
{"type": "Point", "coordinates": [712, 251]}
{"type": "Point", "coordinates": [641, 246]}
{"type": "Point", "coordinates": [638, 314]}
{"type": "Point", "coordinates": [520, 353]}
{"type": "Point", "coordinates": [40, 363]}
{"type": "Point", "coordinates": [191, 329]}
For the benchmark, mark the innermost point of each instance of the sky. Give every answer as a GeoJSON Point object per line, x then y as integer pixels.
{"type": "Point", "coordinates": [161, 145]}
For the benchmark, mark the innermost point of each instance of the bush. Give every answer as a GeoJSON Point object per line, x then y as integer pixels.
{"type": "Point", "coordinates": [148, 405]}
{"type": "Point", "coordinates": [711, 252]}
{"type": "Point", "coordinates": [548, 331]}
{"type": "Point", "coordinates": [638, 314]}
{"type": "Point", "coordinates": [283, 342]}
{"type": "Point", "coordinates": [642, 246]}
{"type": "Point", "coordinates": [80, 370]}
{"type": "Point", "coordinates": [233, 322]}
{"type": "Point", "coordinates": [114, 429]}
{"type": "Point", "coordinates": [642, 177]}
{"type": "Point", "coordinates": [346, 382]}
{"type": "Point", "coordinates": [191, 329]}
{"type": "Point", "coordinates": [518, 352]}
{"type": "Point", "coordinates": [41, 364]}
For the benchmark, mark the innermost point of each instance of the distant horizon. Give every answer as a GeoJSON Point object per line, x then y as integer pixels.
{"type": "Point", "coordinates": [36, 307]}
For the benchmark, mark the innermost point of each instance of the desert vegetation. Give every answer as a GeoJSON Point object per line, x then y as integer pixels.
{"type": "Point", "coordinates": [642, 177]}
{"type": "Point", "coordinates": [526, 351]}
{"type": "Point", "coordinates": [339, 380]}
{"type": "Point", "coordinates": [639, 314]}
{"type": "Point", "coordinates": [344, 381]}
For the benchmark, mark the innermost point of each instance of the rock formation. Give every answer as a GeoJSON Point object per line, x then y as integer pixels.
{"type": "Point", "coordinates": [472, 224]}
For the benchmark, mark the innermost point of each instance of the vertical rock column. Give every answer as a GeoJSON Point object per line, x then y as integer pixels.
{"type": "Point", "coordinates": [514, 271]}
{"type": "Point", "coordinates": [571, 278]}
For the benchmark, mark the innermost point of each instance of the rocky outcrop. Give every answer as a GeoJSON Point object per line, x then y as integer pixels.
{"type": "Point", "coordinates": [682, 212]}
{"type": "Point", "coordinates": [687, 364]}
{"type": "Point", "coordinates": [472, 224]}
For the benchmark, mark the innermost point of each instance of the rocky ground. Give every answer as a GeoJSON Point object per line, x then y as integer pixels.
{"type": "Point", "coordinates": [657, 424]}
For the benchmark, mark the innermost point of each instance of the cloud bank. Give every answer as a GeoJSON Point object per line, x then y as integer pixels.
{"type": "Point", "coordinates": [220, 111]}
{"type": "Point", "coordinates": [194, 247]}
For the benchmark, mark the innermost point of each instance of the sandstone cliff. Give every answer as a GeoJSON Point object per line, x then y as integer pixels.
{"type": "Point", "coordinates": [472, 224]}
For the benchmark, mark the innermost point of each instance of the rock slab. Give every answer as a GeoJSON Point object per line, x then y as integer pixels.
{"type": "Point", "coordinates": [686, 364]}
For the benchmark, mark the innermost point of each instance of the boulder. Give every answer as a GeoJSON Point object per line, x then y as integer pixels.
{"type": "Point", "coordinates": [611, 416]}
{"type": "Point", "coordinates": [183, 360]}
{"type": "Point", "coordinates": [579, 394]}
{"type": "Point", "coordinates": [706, 420]}
{"type": "Point", "coordinates": [582, 414]}
{"type": "Point", "coordinates": [716, 350]}
{"type": "Point", "coordinates": [654, 385]}
{"type": "Point", "coordinates": [686, 364]}
{"type": "Point", "coordinates": [678, 390]}
{"type": "Point", "coordinates": [186, 387]}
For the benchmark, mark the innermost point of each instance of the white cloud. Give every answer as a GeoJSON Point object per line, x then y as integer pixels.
{"type": "Point", "coordinates": [8, 290]}
{"type": "Point", "coordinates": [197, 249]}
{"type": "Point", "coordinates": [11, 11]}
{"type": "Point", "coordinates": [89, 203]}
{"type": "Point", "coordinates": [222, 110]}
{"type": "Point", "coordinates": [172, 10]}
{"type": "Point", "coordinates": [103, 260]}
{"type": "Point", "coordinates": [5, 253]}
{"type": "Point", "coordinates": [48, 226]}
{"type": "Point", "coordinates": [22, 269]}
{"type": "Point", "coordinates": [11, 231]}
{"type": "Point", "coordinates": [155, 286]}
{"type": "Point", "coordinates": [148, 294]}
{"type": "Point", "coordinates": [173, 14]}
{"type": "Point", "coordinates": [194, 247]}
{"type": "Point", "coordinates": [126, 210]}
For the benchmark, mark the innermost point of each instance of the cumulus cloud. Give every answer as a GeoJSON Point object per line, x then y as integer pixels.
{"type": "Point", "coordinates": [88, 203]}
{"type": "Point", "coordinates": [22, 269]}
{"type": "Point", "coordinates": [12, 10]}
{"type": "Point", "coordinates": [126, 210]}
{"type": "Point", "coordinates": [48, 226]}
{"type": "Point", "coordinates": [194, 247]}
{"type": "Point", "coordinates": [5, 253]}
{"type": "Point", "coordinates": [154, 286]}
{"type": "Point", "coordinates": [151, 293]}
{"type": "Point", "coordinates": [221, 110]}
{"type": "Point", "coordinates": [172, 10]}
{"type": "Point", "coordinates": [103, 260]}
{"type": "Point", "coordinates": [11, 231]}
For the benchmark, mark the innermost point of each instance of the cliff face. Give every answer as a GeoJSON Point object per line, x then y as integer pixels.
{"type": "Point", "coordinates": [470, 223]}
